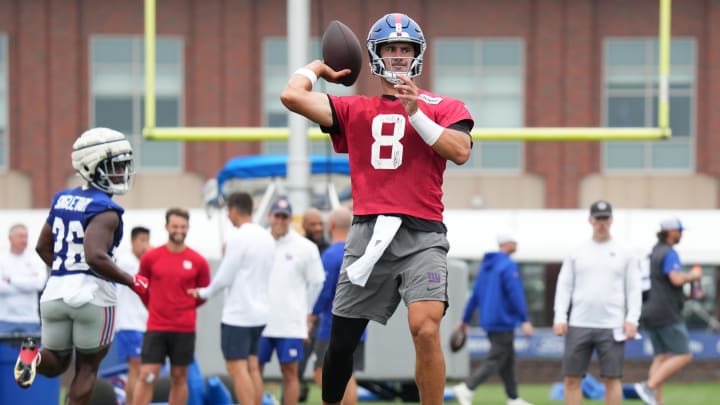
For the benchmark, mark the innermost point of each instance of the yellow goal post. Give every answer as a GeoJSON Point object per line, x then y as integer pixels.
{"type": "Point", "coordinates": [662, 131]}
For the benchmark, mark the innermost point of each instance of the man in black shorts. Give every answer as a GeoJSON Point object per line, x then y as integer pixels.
{"type": "Point", "coordinates": [175, 268]}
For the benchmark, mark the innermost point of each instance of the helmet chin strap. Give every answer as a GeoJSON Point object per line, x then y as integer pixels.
{"type": "Point", "coordinates": [392, 79]}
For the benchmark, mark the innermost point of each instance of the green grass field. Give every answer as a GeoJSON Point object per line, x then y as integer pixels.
{"type": "Point", "coordinates": [538, 394]}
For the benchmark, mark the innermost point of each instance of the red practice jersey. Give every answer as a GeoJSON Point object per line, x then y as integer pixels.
{"type": "Point", "coordinates": [392, 170]}
{"type": "Point", "coordinates": [170, 308]}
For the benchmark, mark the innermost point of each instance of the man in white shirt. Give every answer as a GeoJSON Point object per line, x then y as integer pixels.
{"type": "Point", "coordinates": [600, 282]}
{"type": "Point", "coordinates": [244, 274]}
{"type": "Point", "coordinates": [295, 282]}
{"type": "Point", "coordinates": [131, 315]}
{"type": "Point", "coordinates": [22, 277]}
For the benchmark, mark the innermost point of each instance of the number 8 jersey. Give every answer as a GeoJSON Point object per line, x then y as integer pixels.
{"type": "Point", "coordinates": [70, 213]}
{"type": "Point", "coordinates": [392, 170]}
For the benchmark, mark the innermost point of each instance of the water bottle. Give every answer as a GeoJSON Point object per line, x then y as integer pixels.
{"type": "Point", "coordinates": [696, 290]}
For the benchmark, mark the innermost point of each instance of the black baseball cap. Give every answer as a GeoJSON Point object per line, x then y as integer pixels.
{"type": "Point", "coordinates": [281, 206]}
{"type": "Point", "coordinates": [601, 209]}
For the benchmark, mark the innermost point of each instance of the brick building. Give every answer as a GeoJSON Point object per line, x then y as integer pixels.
{"type": "Point", "coordinates": [66, 65]}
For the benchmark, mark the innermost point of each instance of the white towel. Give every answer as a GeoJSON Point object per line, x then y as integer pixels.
{"type": "Point", "coordinates": [383, 233]}
{"type": "Point", "coordinates": [80, 290]}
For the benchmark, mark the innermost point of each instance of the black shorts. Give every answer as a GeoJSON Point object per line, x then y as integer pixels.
{"type": "Point", "coordinates": [321, 347]}
{"type": "Point", "coordinates": [239, 342]}
{"type": "Point", "coordinates": [178, 346]}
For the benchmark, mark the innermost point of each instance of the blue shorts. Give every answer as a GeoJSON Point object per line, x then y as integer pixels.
{"type": "Point", "coordinates": [288, 349]}
{"type": "Point", "coordinates": [671, 338]}
{"type": "Point", "coordinates": [239, 342]}
{"type": "Point", "coordinates": [128, 344]}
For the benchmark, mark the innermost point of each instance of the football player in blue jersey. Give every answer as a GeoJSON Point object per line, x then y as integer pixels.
{"type": "Point", "coordinates": [78, 241]}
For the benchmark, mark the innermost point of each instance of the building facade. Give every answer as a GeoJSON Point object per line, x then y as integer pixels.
{"type": "Point", "coordinates": [66, 65]}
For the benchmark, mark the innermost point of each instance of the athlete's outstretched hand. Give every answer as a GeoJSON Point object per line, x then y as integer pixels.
{"type": "Point", "coordinates": [321, 69]}
{"type": "Point", "coordinates": [141, 285]}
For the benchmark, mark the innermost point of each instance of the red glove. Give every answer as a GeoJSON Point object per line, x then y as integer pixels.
{"type": "Point", "coordinates": [141, 285]}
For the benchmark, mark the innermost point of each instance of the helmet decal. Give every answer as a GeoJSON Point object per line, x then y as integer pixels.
{"type": "Point", "coordinates": [398, 26]}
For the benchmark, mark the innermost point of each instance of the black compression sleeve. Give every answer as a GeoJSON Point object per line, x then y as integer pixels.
{"type": "Point", "coordinates": [338, 363]}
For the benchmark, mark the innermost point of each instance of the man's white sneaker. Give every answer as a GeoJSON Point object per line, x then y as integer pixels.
{"type": "Point", "coordinates": [646, 393]}
{"type": "Point", "coordinates": [518, 401]}
{"type": "Point", "coordinates": [463, 394]}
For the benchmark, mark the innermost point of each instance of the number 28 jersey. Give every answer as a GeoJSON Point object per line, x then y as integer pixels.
{"type": "Point", "coordinates": [70, 213]}
{"type": "Point", "coordinates": [392, 169]}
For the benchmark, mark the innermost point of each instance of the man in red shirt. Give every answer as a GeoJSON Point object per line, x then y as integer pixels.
{"type": "Point", "coordinates": [173, 269]}
{"type": "Point", "coordinates": [398, 144]}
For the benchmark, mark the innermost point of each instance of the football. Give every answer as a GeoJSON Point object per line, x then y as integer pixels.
{"type": "Point", "coordinates": [457, 339]}
{"type": "Point", "coordinates": [341, 50]}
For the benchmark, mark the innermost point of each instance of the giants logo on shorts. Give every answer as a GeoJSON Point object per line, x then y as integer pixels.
{"type": "Point", "coordinates": [433, 278]}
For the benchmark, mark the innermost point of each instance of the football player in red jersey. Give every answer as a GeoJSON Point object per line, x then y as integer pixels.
{"type": "Point", "coordinates": [398, 144]}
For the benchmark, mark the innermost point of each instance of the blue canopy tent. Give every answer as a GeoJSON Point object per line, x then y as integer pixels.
{"type": "Point", "coordinates": [260, 166]}
{"type": "Point", "coordinates": [275, 167]}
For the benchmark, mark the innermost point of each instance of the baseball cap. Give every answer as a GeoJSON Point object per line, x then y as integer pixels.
{"type": "Point", "coordinates": [601, 209]}
{"type": "Point", "coordinates": [668, 224]}
{"type": "Point", "coordinates": [505, 237]}
{"type": "Point", "coordinates": [281, 206]}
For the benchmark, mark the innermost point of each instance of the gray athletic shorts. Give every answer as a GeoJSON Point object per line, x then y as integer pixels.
{"type": "Point", "coordinates": [87, 328]}
{"type": "Point", "coordinates": [579, 346]}
{"type": "Point", "coordinates": [413, 267]}
{"type": "Point", "coordinates": [671, 338]}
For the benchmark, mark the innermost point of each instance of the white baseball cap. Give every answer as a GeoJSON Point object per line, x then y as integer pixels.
{"type": "Point", "coordinates": [671, 223]}
{"type": "Point", "coordinates": [505, 237]}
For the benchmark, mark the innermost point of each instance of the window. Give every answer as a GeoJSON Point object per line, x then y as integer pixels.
{"type": "Point", "coordinates": [3, 102]}
{"type": "Point", "coordinates": [630, 100]}
{"type": "Point", "coordinates": [489, 76]}
{"type": "Point", "coordinates": [275, 76]}
{"type": "Point", "coordinates": [533, 277]}
{"type": "Point", "coordinates": [534, 284]}
{"type": "Point", "coordinates": [702, 314]}
{"type": "Point", "coordinates": [118, 92]}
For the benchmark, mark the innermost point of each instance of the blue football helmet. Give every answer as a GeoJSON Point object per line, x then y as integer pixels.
{"type": "Point", "coordinates": [395, 27]}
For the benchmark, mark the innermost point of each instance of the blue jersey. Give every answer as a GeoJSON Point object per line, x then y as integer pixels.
{"type": "Point", "coordinates": [70, 213]}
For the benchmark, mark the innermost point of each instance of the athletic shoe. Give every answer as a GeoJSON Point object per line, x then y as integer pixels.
{"type": "Point", "coordinates": [518, 401]}
{"type": "Point", "coordinates": [463, 394]}
{"type": "Point", "coordinates": [645, 393]}
{"type": "Point", "coordinates": [27, 361]}
{"type": "Point", "coordinates": [304, 389]}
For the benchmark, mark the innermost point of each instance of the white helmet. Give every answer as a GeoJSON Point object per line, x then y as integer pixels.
{"type": "Point", "coordinates": [104, 158]}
